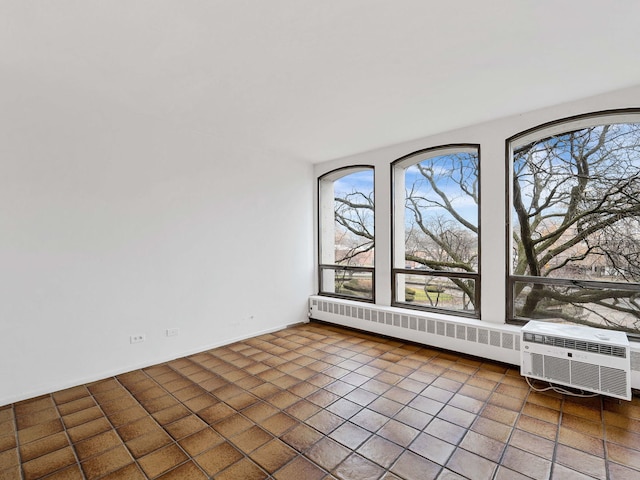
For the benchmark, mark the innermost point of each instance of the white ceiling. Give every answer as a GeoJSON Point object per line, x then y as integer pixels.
{"type": "Point", "coordinates": [319, 79]}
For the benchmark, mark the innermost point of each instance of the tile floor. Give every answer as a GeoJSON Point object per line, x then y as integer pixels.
{"type": "Point", "coordinates": [318, 402]}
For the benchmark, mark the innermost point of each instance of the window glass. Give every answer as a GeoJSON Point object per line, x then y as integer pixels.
{"type": "Point", "coordinates": [346, 201]}
{"type": "Point", "coordinates": [436, 246]}
{"type": "Point", "coordinates": [575, 225]}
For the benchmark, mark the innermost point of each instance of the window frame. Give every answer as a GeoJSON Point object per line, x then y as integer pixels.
{"type": "Point", "coordinates": [536, 134]}
{"type": "Point", "coordinates": [334, 175]}
{"type": "Point", "coordinates": [400, 165]}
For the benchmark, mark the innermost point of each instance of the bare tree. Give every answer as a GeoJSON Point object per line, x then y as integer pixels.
{"type": "Point", "coordinates": [439, 235]}
{"type": "Point", "coordinates": [576, 203]}
{"type": "Point", "coordinates": [354, 219]}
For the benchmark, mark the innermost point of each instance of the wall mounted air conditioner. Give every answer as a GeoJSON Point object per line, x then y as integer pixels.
{"type": "Point", "coordinates": [586, 358]}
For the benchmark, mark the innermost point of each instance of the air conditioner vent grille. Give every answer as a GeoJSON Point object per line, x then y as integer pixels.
{"type": "Point", "coordinates": [572, 344]}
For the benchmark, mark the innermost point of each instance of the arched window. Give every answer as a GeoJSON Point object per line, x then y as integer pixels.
{"type": "Point", "coordinates": [436, 230]}
{"type": "Point", "coordinates": [574, 225]}
{"type": "Point", "coordinates": [346, 233]}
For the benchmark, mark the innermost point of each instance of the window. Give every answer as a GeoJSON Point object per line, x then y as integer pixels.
{"type": "Point", "coordinates": [575, 222]}
{"type": "Point", "coordinates": [346, 233]}
{"type": "Point", "coordinates": [436, 230]}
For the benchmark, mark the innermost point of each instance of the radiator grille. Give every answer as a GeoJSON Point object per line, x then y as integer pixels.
{"type": "Point", "coordinates": [572, 344]}
{"type": "Point", "coordinates": [613, 380]}
{"type": "Point", "coordinates": [453, 330]}
{"type": "Point", "coordinates": [588, 376]}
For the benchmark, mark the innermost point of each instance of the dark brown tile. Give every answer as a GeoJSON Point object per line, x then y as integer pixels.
{"type": "Point", "coordinates": [211, 415]}
{"type": "Point", "coordinates": [259, 411]}
{"type": "Point", "coordinates": [185, 426]}
{"type": "Point", "coordinates": [322, 398]}
{"type": "Point", "coordinates": [432, 448]}
{"type": "Point", "coordinates": [299, 468]}
{"type": "Point", "coordinates": [526, 463]}
{"type": "Point", "coordinates": [76, 405]}
{"type": "Point", "coordinates": [103, 385]}
{"type": "Point", "coordinates": [150, 393]}
{"type": "Point", "coordinates": [369, 419]}
{"type": "Point", "coordinates": [537, 427]}
{"type": "Point", "coordinates": [48, 463]}
{"type": "Point", "coordinates": [162, 460]}
{"type": "Point", "coordinates": [8, 459]}
{"type": "Point", "coordinates": [587, 410]}
{"type": "Point", "coordinates": [159, 403]}
{"type": "Point", "coordinates": [446, 431]}
{"type": "Point", "coordinates": [283, 400]}
{"type": "Point", "coordinates": [7, 441]}
{"type": "Point", "coordinates": [325, 421]}
{"type": "Point", "coordinates": [581, 462]}
{"type": "Point", "coordinates": [328, 453]}
{"type": "Point", "coordinates": [34, 405]}
{"type": "Point", "coordinates": [620, 472]}
{"type": "Point", "coordinates": [128, 472]}
{"type": "Point", "coordinates": [39, 431]}
{"type": "Point", "coordinates": [218, 458]}
{"type": "Point", "coordinates": [51, 443]}
{"type": "Point", "coordinates": [585, 443]}
{"type": "Point", "coordinates": [380, 450]}
{"type": "Point", "coordinates": [189, 392]}
{"type": "Point", "coordinates": [137, 428]}
{"type": "Point", "coordinates": [186, 471]}
{"type": "Point", "coordinates": [111, 395]}
{"type": "Point", "coordinates": [426, 405]}
{"type": "Point", "coordinates": [350, 435]}
{"type": "Point", "coordinates": [471, 465]}
{"type": "Point", "coordinates": [127, 415]}
{"type": "Point", "coordinates": [621, 421]}
{"type": "Point", "coordinates": [414, 467]}
{"type": "Point", "coordinates": [106, 462]}
{"type": "Point", "coordinates": [302, 409]}
{"type": "Point", "coordinates": [278, 423]}
{"type": "Point", "coordinates": [386, 407]}
{"type": "Point", "coordinates": [623, 437]}
{"type": "Point", "coordinates": [273, 455]}
{"type": "Point", "coordinates": [533, 444]}
{"type": "Point", "coordinates": [398, 433]}
{"type": "Point", "coordinates": [301, 437]}
{"type": "Point", "coordinates": [98, 444]}
{"type": "Point", "coordinates": [623, 455]}
{"type": "Point", "coordinates": [201, 441]}
{"type": "Point", "coordinates": [70, 473]}
{"type": "Point", "coordinates": [356, 467]}
{"type": "Point", "coordinates": [36, 418]}
{"type": "Point", "coordinates": [70, 394]}
{"type": "Point", "coordinates": [244, 469]}
{"type": "Point", "coordinates": [238, 402]}
{"type": "Point", "coordinates": [466, 403]}
{"type": "Point", "coordinates": [118, 405]}
{"type": "Point", "coordinates": [492, 429]}
{"type": "Point", "coordinates": [232, 425]}
{"type": "Point", "coordinates": [89, 429]}
{"type": "Point", "coordinates": [82, 416]}
{"type": "Point", "coordinates": [457, 416]}
{"type": "Point", "coordinates": [145, 444]}
{"type": "Point", "coordinates": [344, 408]}
{"type": "Point", "coordinates": [251, 439]}
{"type": "Point", "coordinates": [499, 414]}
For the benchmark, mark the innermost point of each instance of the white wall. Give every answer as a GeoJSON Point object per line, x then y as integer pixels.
{"type": "Point", "coordinates": [114, 223]}
{"type": "Point", "coordinates": [491, 136]}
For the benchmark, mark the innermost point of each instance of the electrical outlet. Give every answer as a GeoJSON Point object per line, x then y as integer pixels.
{"type": "Point", "coordinates": [172, 332]}
{"type": "Point", "coordinates": [136, 338]}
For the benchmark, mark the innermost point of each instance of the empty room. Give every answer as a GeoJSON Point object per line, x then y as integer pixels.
{"type": "Point", "coordinates": [319, 240]}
